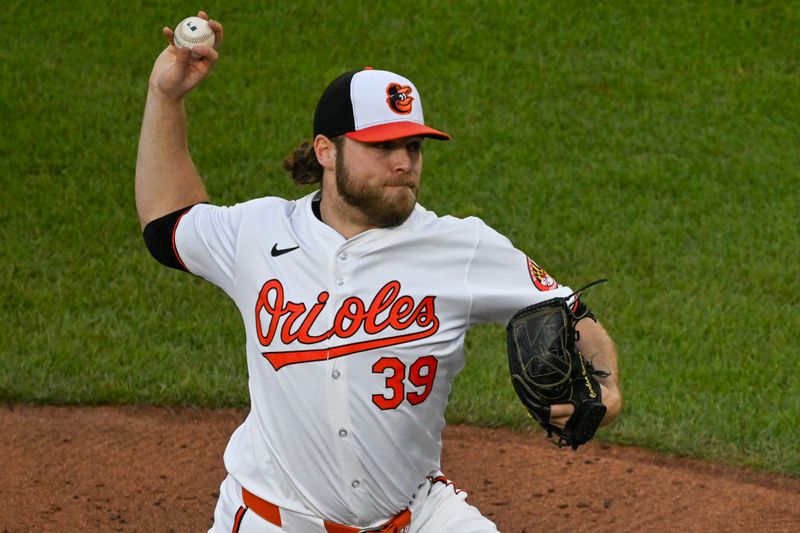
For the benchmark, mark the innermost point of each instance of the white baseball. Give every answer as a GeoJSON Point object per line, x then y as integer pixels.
{"type": "Point", "coordinates": [193, 31]}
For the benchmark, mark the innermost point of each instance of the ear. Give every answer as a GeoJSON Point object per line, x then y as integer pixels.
{"type": "Point", "coordinates": [325, 151]}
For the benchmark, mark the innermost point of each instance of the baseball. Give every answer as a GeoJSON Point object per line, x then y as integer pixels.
{"type": "Point", "coordinates": [193, 31]}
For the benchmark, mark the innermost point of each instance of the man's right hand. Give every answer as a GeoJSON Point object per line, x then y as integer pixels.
{"type": "Point", "coordinates": [176, 72]}
{"type": "Point", "coordinates": [166, 178]}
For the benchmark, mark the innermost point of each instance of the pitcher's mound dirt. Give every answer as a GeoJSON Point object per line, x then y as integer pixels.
{"type": "Point", "coordinates": [70, 469]}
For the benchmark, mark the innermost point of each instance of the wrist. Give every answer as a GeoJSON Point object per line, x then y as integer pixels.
{"type": "Point", "coordinates": [612, 399]}
{"type": "Point", "coordinates": [156, 96]}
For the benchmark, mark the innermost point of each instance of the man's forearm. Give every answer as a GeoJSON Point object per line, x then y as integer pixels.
{"type": "Point", "coordinates": [166, 178]}
{"type": "Point", "coordinates": [596, 346]}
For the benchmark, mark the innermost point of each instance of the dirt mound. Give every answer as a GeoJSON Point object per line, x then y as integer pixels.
{"type": "Point", "coordinates": [146, 469]}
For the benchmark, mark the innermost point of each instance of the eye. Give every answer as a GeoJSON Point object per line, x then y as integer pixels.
{"type": "Point", "coordinates": [414, 146]}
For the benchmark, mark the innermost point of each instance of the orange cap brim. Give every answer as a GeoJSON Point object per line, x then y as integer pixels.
{"type": "Point", "coordinates": [396, 130]}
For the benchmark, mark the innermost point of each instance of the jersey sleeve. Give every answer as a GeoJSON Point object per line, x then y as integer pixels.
{"type": "Point", "coordinates": [502, 279]}
{"type": "Point", "coordinates": [205, 240]}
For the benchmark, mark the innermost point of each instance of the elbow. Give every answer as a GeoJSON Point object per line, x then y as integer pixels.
{"type": "Point", "coordinates": [159, 237]}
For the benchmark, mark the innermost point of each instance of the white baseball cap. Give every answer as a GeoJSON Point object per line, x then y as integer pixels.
{"type": "Point", "coordinates": [372, 106]}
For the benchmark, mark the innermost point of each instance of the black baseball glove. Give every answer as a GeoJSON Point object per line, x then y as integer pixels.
{"type": "Point", "coordinates": [547, 368]}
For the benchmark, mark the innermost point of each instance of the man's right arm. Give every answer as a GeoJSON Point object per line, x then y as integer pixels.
{"type": "Point", "coordinates": [166, 178]}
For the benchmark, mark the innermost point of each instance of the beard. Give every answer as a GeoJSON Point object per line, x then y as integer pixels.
{"type": "Point", "coordinates": [381, 208]}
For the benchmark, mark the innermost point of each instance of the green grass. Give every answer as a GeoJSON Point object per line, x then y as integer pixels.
{"type": "Point", "coordinates": [654, 144]}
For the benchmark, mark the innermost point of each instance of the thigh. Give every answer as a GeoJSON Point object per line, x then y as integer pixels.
{"type": "Point", "coordinates": [446, 509]}
{"type": "Point", "coordinates": [231, 515]}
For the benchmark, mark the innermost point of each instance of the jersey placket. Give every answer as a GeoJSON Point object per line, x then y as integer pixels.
{"type": "Point", "coordinates": [351, 472]}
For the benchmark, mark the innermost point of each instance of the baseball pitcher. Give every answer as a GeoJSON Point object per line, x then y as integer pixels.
{"type": "Point", "coordinates": [355, 301]}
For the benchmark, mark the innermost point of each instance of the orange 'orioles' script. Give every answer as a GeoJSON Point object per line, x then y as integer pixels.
{"type": "Point", "coordinates": [401, 312]}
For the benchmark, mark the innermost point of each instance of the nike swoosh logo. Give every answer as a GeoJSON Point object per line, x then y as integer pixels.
{"type": "Point", "coordinates": [280, 251]}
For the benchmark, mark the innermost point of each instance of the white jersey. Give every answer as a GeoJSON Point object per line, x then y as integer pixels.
{"type": "Point", "coordinates": [352, 344]}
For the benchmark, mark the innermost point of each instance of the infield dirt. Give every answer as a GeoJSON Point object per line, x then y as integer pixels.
{"type": "Point", "coordinates": [146, 469]}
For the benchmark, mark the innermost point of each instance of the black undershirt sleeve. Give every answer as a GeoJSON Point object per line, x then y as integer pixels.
{"type": "Point", "coordinates": [158, 238]}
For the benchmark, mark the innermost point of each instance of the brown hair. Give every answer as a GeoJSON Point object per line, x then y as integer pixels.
{"type": "Point", "coordinates": [303, 165]}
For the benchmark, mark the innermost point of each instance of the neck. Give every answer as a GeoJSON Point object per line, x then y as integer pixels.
{"type": "Point", "coordinates": [345, 219]}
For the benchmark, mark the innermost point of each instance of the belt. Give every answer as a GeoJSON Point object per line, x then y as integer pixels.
{"type": "Point", "coordinates": [399, 523]}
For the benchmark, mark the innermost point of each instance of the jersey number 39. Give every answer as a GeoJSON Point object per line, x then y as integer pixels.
{"type": "Point", "coordinates": [421, 373]}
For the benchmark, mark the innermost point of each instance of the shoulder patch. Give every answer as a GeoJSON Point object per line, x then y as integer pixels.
{"type": "Point", "coordinates": [541, 279]}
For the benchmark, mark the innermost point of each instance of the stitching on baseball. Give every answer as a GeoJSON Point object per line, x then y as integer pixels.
{"type": "Point", "coordinates": [194, 40]}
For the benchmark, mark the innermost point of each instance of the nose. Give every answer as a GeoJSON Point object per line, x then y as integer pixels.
{"type": "Point", "coordinates": [401, 159]}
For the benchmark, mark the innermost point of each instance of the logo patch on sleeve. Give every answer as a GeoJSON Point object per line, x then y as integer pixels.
{"type": "Point", "coordinates": [540, 278]}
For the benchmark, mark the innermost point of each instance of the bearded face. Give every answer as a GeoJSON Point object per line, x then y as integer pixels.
{"type": "Point", "coordinates": [381, 185]}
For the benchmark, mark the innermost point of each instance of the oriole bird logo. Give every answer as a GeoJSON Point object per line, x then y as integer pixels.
{"type": "Point", "coordinates": [399, 98]}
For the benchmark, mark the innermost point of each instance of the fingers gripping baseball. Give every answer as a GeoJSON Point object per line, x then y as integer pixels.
{"type": "Point", "coordinates": [178, 70]}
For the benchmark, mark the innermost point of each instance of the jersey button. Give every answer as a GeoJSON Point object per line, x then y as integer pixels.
{"type": "Point", "coordinates": [343, 256]}
{"type": "Point", "coordinates": [355, 484]}
{"type": "Point", "coordinates": [339, 281]}
{"type": "Point", "coordinates": [343, 433]}
{"type": "Point", "coordinates": [336, 374]}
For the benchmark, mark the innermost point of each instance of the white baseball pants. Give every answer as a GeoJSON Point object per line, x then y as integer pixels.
{"type": "Point", "coordinates": [443, 509]}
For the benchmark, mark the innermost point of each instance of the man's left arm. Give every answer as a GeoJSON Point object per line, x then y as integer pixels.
{"type": "Point", "coordinates": [596, 346]}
